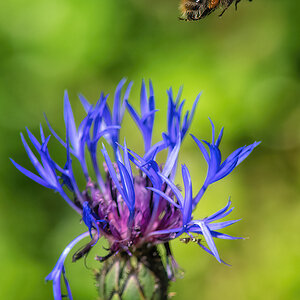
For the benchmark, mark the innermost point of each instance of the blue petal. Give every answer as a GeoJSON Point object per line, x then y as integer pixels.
{"type": "Point", "coordinates": [185, 124]}
{"type": "Point", "coordinates": [151, 104]}
{"type": "Point", "coordinates": [116, 181]}
{"type": "Point", "coordinates": [88, 218]}
{"type": "Point", "coordinates": [225, 170]}
{"type": "Point", "coordinates": [128, 186]}
{"type": "Point", "coordinates": [42, 134]}
{"type": "Point", "coordinates": [220, 225]}
{"type": "Point", "coordinates": [32, 175]}
{"type": "Point", "coordinates": [112, 171]}
{"type": "Point", "coordinates": [219, 213]}
{"type": "Point", "coordinates": [214, 163]}
{"type": "Point", "coordinates": [144, 99]}
{"type": "Point", "coordinates": [67, 284]}
{"type": "Point", "coordinates": [47, 171]}
{"type": "Point", "coordinates": [247, 150]}
{"type": "Point", "coordinates": [146, 120]}
{"type": "Point", "coordinates": [175, 113]}
{"type": "Point", "coordinates": [179, 94]}
{"type": "Point", "coordinates": [147, 116]}
{"type": "Point", "coordinates": [175, 190]}
{"type": "Point", "coordinates": [220, 137]}
{"type": "Point", "coordinates": [224, 236]}
{"type": "Point", "coordinates": [232, 156]}
{"type": "Point", "coordinates": [69, 121]}
{"type": "Point", "coordinates": [208, 251]}
{"type": "Point", "coordinates": [53, 132]}
{"type": "Point", "coordinates": [117, 103]}
{"type": "Point", "coordinates": [162, 194]}
{"type": "Point", "coordinates": [166, 231]}
{"type": "Point", "coordinates": [86, 105]}
{"type": "Point", "coordinates": [188, 200]}
{"type": "Point", "coordinates": [172, 158]}
{"type": "Point", "coordinates": [202, 148]}
{"type": "Point", "coordinates": [48, 164]}
{"type": "Point", "coordinates": [194, 109]}
{"type": "Point", "coordinates": [135, 116]}
{"type": "Point", "coordinates": [150, 167]}
{"type": "Point", "coordinates": [33, 159]}
{"type": "Point", "coordinates": [127, 161]}
{"type": "Point", "coordinates": [102, 133]}
{"type": "Point", "coordinates": [213, 131]}
{"type": "Point", "coordinates": [34, 140]}
{"type": "Point", "coordinates": [209, 240]}
{"type": "Point", "coordinates": [55, 275]}
{"type": "Point", "coordinates": [179, 110]}
{"type": "Point", "coordinates": [158, 147]}
{"type": "Point", "coordinates": [127, 92]}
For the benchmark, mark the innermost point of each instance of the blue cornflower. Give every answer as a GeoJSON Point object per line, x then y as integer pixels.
{"type": "Point", "coordinates": [131, 210]}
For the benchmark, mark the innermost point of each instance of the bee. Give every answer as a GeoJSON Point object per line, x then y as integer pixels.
{"type": "Point", "coordinates": [186, 240]}
{"type": "Point", "coordinates": [193, 10]}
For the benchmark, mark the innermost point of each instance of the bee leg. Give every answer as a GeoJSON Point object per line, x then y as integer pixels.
{"type": "Point", "coordinates": [221, 14]}
{"type": "Point", "coordinates": [225, 5]}
{"type": "Point", "coordinates": [236, 3]}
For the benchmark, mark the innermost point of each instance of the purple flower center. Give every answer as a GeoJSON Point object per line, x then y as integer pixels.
{"type": "Point", "coordinates": [123, 233]}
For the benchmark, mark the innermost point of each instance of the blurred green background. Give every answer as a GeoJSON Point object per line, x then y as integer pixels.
{"type": "Point", "coordinates": [247, 64]}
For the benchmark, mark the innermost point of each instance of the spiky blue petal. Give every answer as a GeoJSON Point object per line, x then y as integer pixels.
{"type": "Point", "coordinates": [55, 275]}
{"type": "Point", "coordinates": [176, 122]}
{"type": "Point", "coordinates": [208, 229]}
{"type": "Point", "coordinates": [47, 169]}
{"type": "Point", "coordinates": [216, 168]}
{"type": "Point", "coordinates": [205, 226]}
{"type": "Point", "coordinates": [145, 122]}
{"type": "Point", "coordinates": [188, 199]}
{"type": "Point", "coordinates": [115, 118]}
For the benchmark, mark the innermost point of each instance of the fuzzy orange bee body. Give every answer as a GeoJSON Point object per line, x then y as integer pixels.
{"type": "Point", "coordinates": [192, 10]}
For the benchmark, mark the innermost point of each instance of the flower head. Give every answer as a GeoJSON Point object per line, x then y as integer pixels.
{"type": "Point", "coordinates": [131, 209]}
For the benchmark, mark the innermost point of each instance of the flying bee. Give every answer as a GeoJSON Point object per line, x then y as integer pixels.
{"type": "Point", "coordinates": [193, 10]}
{"type": "Point", "coordinates": [186, 240]}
